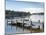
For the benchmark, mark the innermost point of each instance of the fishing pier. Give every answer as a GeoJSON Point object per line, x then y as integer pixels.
{"type": "Point", "coordinates": [24, 23]}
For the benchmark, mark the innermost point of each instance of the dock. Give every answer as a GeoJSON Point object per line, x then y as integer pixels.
{"type": "Point", "coordinates": [24, 26]}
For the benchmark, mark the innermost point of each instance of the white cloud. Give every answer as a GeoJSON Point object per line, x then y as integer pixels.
{"type": "Point", "coordinates": [32, 0]}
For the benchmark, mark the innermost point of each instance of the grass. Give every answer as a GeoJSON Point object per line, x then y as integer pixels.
{"type": "Point", "coordinates": [37, 30]}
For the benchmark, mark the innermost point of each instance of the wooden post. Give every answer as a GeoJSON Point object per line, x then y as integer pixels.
{"type": "Point", "coordinates": [39, 27]}
{"type": "Point", "coordinates": [23, 25]}
{"type": "Point", "coordinates": [39, 23]}
{"type": "Point", "coordinates": [7, 21]}
{"type": "Point", "coordinates": [43, 27]}
{"type": "Point", "coordinates": [11, 23]}
{"type": "Point", "coordinates": [16, 24]}
{"type": "Point", "coordinates": [31, 26]}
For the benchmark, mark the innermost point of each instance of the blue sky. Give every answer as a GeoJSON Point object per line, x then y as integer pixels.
{"type": "Point", "coordinates": [20, 5]}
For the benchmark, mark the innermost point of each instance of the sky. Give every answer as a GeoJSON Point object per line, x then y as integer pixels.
{"type": "Point", "coordinates": [24, 6]}
{"type": "Point", "coordinates": [31, 0]}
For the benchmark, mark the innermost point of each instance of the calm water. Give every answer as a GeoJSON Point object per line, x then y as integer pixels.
{"type": "Point", "coordinates": [37, 17]}
{"type": "Point", "coordinates": [10, 28]}
{"type": "Point", "coordinates": [34, 18]}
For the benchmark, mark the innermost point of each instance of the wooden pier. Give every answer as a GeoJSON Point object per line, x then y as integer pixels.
{"type": "Point", "coordinates": [22, 25]}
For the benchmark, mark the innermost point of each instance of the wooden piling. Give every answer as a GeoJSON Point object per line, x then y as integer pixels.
{"type": "Point", "coordinates": [39, 23]}
{"type": "Point", "coordinates": [7, 21]}
{"type": "Point", "coordinates": [23, 25]}
{"type": "Point", "coordinates": [16, 25]}
{"type": "Point", "coordinates": [31, 26]}
{"type": "Point", "coordinates": [11, 23]}
{"type": "Point", "coordinates": [43, 27]}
